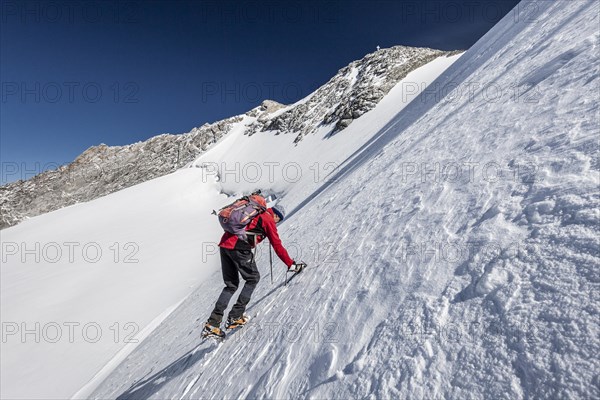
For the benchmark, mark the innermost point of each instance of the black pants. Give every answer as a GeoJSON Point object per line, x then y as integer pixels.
{"type": "Point", "coordinates": [232, 263]}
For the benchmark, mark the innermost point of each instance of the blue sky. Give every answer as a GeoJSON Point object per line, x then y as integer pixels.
{"type": "Point", "coordinates": [76, 74]}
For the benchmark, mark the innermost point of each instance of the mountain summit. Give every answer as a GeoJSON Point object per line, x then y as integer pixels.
{"type": "Point", "coordinates": [451, 237]}
{"type": "Point", "coordinates": [102, 169]}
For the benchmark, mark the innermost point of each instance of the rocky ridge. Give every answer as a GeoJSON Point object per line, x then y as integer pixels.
{"type": "Point", "coordinates": [353, 91]}
{"type": "Point", "coordinates": [101, 170]}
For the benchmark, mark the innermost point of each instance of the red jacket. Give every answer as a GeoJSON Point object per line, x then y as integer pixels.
{"type": "Point", "coordinates": [264, 226]}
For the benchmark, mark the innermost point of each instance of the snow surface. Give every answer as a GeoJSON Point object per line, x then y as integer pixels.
{"type": "Point", "coordinates": [426, 283]}
{"type": "Point", "coordinates": [422, 282]}
{"type": "Point", "coordinates": [483, 285]}
{"type": "Point", "coordinates": [165, 242]}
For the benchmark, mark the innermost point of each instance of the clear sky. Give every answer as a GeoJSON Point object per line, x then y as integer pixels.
{"type": "Point", "coordinates": [77, 74]}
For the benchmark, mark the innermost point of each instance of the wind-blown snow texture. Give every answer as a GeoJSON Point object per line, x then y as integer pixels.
{"type": "Point", "coordinates": [483, 285]}
{"type": "Point", "coordinates": [454, 254]}
{"type": "Point", "coordinates": [79, 283]}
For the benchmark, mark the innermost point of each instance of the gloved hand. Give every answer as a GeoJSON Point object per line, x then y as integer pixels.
{"type": "Point", "coordinates": [297, 266]}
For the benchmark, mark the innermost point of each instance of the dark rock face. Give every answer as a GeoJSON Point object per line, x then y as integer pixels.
{"type": "Point", "coordinates": [101, 170]}
{"type": "Point", "coordinates": [353, 91]}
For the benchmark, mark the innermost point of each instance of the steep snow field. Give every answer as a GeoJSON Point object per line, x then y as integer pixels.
{"type": "Point", "coordinates": [80, 285]}
{"type": "Point", "coordinates": [455, 255]}
{"type": "Point", "coordinates": [118, 259]}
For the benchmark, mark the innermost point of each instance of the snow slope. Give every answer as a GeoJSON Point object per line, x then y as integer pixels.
{"type": "Point", "coordinates": [94, 265]}
{"type": "Point", "coordinates": [79, 284]}
{"type": "Point", "coordinates": [455, 255]}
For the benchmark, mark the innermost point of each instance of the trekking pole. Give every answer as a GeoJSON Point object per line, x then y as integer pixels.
{"type": "Point", "coordinates": [299, 268]}
{"type": "Point", "coordinates": [255, 246]}
{"type": "Point", "coordinates": [271, 261]}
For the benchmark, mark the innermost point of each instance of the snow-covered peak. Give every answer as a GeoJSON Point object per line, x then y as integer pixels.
{"type": "Point", "coordinates": [352, 92]}
{"type": "Point", "coordinates": [102, 169]}
{"type": "Point", "coordinates": [452, 244]}
{"type": "Point", "coordinates": [454, 256]}
{"type": "Point", "coordinates": [139, 252]}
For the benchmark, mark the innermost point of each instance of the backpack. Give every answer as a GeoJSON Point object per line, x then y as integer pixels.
{"type": "Point", "coordinates": [236, 216]}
